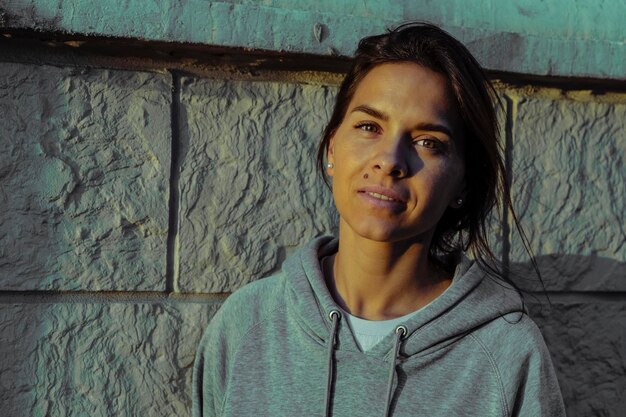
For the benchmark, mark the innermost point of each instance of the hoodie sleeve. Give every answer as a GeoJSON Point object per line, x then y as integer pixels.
{"type": "Point", "coordinates": [217, 351]}
{"type": "Point", "coordinates": [530, 383]}
{"type": "Point", "coordinates": [209, 371]}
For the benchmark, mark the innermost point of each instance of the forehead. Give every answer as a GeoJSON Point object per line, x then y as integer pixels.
{"type": "Point", "coordinates": [407, 89]}
{"type": "Point", "coordinates": [410, 73]}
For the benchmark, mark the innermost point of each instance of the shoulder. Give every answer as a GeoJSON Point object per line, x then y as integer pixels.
{"type": "Point", "coordinates": [520, 358]}
{"type": "Point", "coordinates": [514, 337]}
{"type": "Point", "coordinates": [244, 309]}
{"type": "Point", "coordinates": [253, 302]}
{"type": "Point", "coordinates": [516, 349]}
{"type": "Point", "coordinates": [257, 293]}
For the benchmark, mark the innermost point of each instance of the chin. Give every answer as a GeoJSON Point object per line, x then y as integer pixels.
{"type": "Point", "coordinates": [378, 233]}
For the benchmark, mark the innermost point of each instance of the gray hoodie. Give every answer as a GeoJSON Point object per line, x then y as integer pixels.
{"type": "Point", "coordinates": [275, 349]}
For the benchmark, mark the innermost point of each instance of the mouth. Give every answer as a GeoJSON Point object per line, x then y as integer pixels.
{"type": "Point", "coordinates": [381, 196]}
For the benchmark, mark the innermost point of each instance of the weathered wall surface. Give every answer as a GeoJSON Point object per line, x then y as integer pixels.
{"type": "Point", "coordinates": [248, 185]}
{"type": "Point", "coordinates": [99, 358]}
{"type": "Point", "coordinates": [103, 297]}
{"type": "Point", "coordinates": [556, 37]}
{"type": "Point", "coordinates": [569, 183]}
{"type": "Point", "coordinates": [85, 165]}
{"type": "Point", "coordinates": [135, 199]}
{"type": "Point", "coordinates": [568, 158]}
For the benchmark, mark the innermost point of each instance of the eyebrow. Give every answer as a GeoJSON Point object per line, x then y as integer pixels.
{"type": "Point", "coordinates": [434, 127]}
{"type": "Point", "coordinates": [431, 127]}
{"type": "Point", "coordinates": [371, 111]}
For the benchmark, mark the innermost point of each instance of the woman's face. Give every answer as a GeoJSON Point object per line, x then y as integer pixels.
{"type": "Point", "coordinates": [397, 155]}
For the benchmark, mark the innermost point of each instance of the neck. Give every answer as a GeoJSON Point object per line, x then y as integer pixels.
{"type": "Point", "coordinates": [383, 280]}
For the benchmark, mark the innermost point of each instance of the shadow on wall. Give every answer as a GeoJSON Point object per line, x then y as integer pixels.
{"type": "Point", "coordinates": [574, 273]}
{"type": "Point", "coordinates": [585, 333]}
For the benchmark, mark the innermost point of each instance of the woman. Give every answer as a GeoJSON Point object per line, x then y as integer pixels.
{"type": "Point", "coordinates": [391, 318]}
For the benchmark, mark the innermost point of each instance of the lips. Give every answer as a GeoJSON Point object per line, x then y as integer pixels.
{"type": "Point", "coordinates": [383, 194]}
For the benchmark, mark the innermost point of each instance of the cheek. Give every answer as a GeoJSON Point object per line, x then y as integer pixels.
{"type": "Point", "coordinates": [454, 171]}
{"type": "Point", "coordinates": [347, 158]}
{"type": "Point", "coordinates": [446, 180]}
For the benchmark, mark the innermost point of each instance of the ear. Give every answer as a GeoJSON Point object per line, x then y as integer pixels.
{"type": "Point", "coordinates": [330, 154]}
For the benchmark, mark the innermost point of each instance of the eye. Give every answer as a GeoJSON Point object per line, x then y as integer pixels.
{"type": "Point", "coordinates": [368, 127]}
{"type": "Point", "coordinates": [430, 143]}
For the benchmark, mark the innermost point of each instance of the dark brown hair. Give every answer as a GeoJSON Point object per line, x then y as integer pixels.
{"type": "Point", "coordinates": [464, 228]}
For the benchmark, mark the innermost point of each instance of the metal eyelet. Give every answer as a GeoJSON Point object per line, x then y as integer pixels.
{"type": "Point", "coordinates": [334, 313]}
{"type": "Point", "coordinates": [402, 330]}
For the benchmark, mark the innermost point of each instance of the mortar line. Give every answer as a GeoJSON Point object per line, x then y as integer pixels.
{"type": "Point", "coordinates": [108, 297]}
{"type": "Point", "coordinates": [171, 274]}
{"type": "Point", "coordinates": [149, 297]}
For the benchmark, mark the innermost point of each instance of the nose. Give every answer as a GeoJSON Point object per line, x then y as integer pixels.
{"type": "Point", "coordinates": [391, 158]}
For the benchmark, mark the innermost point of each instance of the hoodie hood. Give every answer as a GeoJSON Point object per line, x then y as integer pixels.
{"type": "Point", "coordinates": [472, 300]}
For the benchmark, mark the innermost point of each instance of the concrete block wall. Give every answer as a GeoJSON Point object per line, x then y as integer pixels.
{"type": "Point", "coordinates": [249, 191]}
{"type": "Point", "coordinates": [106, 281]}
{"type": "Point", "coordinates": [85, 178]}
{"type": "Point", "coordinates": [567, 151]}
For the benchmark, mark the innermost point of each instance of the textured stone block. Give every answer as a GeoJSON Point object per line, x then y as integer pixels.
{"type": "Point", "coordinates": [248, 185]}
{"type": "Point", "coordinates": [84, 176]}
{"type": "Point", "coordinates": [83, 359]}
{"type": "Point", "coordinates": [569, 183]}
{"type": "Point", "coordinates": [587, 341]}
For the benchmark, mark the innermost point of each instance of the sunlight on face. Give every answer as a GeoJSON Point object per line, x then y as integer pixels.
{"type": "Point", "coordinates": [397, 155]}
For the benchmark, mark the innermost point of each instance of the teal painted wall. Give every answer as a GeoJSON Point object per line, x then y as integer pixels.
{"type": "Point", "coordinates": [542, 37]}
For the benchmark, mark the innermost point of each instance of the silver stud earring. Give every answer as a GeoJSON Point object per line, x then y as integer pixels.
{"type": "Point", "coordinates": [459, 201]}
{"type": "Point", "coordinates": [329, 165]}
